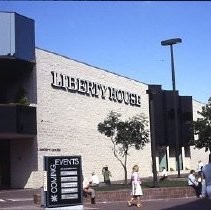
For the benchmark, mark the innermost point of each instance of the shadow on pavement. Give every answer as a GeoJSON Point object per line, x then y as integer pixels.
{"type": "Point", "coordinates": [200, 204]}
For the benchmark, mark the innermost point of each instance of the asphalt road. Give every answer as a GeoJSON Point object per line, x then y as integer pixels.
{"type": "Point", "coordinates": [172, 204]}
{"type": "Point", "coordinates": [23, 200]}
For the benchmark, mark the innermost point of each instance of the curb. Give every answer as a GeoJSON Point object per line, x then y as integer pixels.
{"type": "Point", "coordinates": [149, 194]}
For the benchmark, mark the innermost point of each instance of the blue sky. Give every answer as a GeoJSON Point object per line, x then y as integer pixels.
{"type": "Point", "coordinates": [124, 38]}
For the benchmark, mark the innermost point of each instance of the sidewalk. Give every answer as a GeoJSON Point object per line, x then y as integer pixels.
{"type": "Point", "coordinates": [18, 199]}
{"type": "Point", "coordinates": [152, 200]}
{"type": "Point", "coordinates": [30, 198]}
{"type": "Point", "coordinates": [159, 204]}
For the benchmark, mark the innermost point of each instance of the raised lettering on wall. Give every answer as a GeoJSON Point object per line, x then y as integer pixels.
{"type": "Point", "coordinates": [93, 89]}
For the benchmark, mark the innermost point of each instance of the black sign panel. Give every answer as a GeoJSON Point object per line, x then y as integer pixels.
{"type": "Point", "coordinates": [63, 181]}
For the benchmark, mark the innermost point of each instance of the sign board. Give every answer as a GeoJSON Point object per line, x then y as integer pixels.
{"type": "Point", "coordinates": [64, 183]}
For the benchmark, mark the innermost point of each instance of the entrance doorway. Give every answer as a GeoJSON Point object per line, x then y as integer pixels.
{"type": "Point", "coordinates": [4, 164]}
{"type": "Point", "coordinates": [163, 163]}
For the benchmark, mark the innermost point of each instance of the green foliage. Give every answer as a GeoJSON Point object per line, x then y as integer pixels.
{"type": "Point", "coordinates": [109, 126]}
{"type": "Point", "coordinates": [21, 97]}
{"type": "Point", "coordinates": [167, 183]}
{"type": "Point", "coordinates": [145, 184]}
{"type": "Point", "coordinates": [124, 135]}
{"type": "Point", "coordinates": [202, 128]}
{"type": "Point", "coordinates": [132, 132]}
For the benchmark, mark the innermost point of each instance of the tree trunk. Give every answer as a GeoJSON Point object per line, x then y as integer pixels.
{"type": "Point", "coordinates": [125, 168]}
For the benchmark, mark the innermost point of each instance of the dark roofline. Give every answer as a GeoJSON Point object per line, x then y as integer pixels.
{"type": "Point", "coordinates": [101, 69]}
{"type": "Point", "coordinates": [16, 13]}
{"type": "Point", "coordinates": [91, 65]}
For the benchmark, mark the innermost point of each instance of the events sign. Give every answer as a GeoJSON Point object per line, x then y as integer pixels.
{"type": "Point", "coordinates": [62, 181]}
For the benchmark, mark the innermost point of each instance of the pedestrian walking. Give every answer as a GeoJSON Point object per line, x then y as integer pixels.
{"type": "Point", "coordinates": [207, 176]}
{"type": "Point", "coordinates": [136, 187]}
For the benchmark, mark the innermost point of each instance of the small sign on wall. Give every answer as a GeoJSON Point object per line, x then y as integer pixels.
{"type": "Point", "coordinates": [62, 182]}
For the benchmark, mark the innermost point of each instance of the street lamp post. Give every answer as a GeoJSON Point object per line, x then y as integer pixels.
{"type": "Point", "coordinates": [152, 93]}
{"type": "Point", "coordinates": [171, 42]}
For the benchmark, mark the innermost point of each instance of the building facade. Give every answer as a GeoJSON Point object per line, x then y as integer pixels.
{"type": "Point", "coordinates": [66, 99]}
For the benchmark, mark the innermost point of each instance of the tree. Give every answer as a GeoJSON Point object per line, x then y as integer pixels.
{"type": "Point", "coordinates": [21, 97]}
{"type": "Point", "coordinates": [124, 135]}
{"type": "Point", "coordinates": [202, 128]}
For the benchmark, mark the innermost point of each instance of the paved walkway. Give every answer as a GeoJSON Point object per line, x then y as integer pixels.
{"type": "Point", "coordinates": [161, 204]}
{"type": "Point", "coordinates": [22, 199]}
{"type": "Point", "coordinates": [18, 199]}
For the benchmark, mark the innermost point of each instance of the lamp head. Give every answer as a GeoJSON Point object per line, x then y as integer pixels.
{"type": "Point", "coordinates": [171, 41]}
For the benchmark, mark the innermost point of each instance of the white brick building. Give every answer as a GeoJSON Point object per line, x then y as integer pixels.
{"type": "Point", "coordinates": [67, 117]}
{"type": "Point", "coordinates": [68, 120]}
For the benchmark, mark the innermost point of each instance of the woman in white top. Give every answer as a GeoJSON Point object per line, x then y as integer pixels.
{"type": "Point", "coordinates": [136, 187]}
